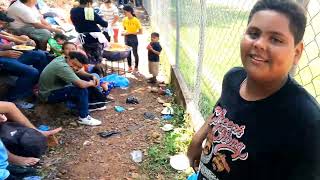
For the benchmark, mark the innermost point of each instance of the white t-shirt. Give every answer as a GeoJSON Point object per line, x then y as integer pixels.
{"type": "Point", "coordinates": [109, 13]}
{"type": "Point", "coordinates": [23, 15]}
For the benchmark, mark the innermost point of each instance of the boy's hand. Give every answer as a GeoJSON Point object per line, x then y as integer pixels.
{"type": "Point", "coordinates": [93, 83]}
{"type": "Point", "coordinates": [31, 43]}
{"type": "Point", "coordinates": [96, 80]}
{"type": "Point", "coordinates": [3, 118]}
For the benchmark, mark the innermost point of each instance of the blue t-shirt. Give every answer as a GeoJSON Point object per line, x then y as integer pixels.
{"type": "Point", "coordinates": [152, 56]}
{"type": "Point", "coordinates": [4, 173]}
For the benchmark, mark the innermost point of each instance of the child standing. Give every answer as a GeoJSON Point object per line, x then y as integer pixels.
{"type": "Point", "coordinates": [132, 27]}
{"type": "Point", "coordinates": [56, 43]}
{"type": "Point", "coordinates": [264, 125]}
{"type": "Point", "coordinates": [154, 49]}
{"type": "Point", "coordinates": [111, 15]}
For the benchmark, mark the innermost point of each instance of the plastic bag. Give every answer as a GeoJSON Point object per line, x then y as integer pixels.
{"type": "Point", "coordinates": [119, 81]}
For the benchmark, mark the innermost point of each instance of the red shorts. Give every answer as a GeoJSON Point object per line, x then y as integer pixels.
{"type": "Point", "coordinates": [115, 33]}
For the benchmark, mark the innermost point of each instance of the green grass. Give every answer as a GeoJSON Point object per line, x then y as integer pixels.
{"type": "Point", "coordinates": [222, 39]}
{"type": "Point", "coordinates": [157, 161]}
{"type": "Point", "coordinates": [223, 32]}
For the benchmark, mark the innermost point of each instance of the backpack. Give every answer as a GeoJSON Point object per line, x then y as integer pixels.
{"type": "Point", "coordinates": [23, 141]}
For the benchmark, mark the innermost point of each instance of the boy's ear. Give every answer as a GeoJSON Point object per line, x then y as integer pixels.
{"type": "Point", "coordinates": [298, 52]}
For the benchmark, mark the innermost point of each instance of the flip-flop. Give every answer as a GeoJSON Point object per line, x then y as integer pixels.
{"type": "Point", "coordinates": [106, 134]}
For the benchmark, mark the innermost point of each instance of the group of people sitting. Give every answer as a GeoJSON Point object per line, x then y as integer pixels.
{"type": "Point", "coordinates": [69, 72]}
{"type": "Point", "coordinates": [61, 74]}
{"type": "Point", "coordinates": [66, 72]}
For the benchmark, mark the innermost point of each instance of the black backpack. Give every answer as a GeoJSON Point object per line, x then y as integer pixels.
{"type": "Point", "coordinates": [23, 141]}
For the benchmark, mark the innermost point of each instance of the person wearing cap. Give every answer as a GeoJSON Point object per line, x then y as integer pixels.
{"type": "Point", "coordinates": [29, 21]}
{"type": "Point", "coordinates": [17, 63]}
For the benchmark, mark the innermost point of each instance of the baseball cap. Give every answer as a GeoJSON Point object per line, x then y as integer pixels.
{"type": "Point", "coordinates": [5, 18]}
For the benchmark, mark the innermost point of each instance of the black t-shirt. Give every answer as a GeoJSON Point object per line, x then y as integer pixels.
{"type": "Point", "coordinates": [276, 138]}
{"type": "Point", "coordinates": [152, 56]}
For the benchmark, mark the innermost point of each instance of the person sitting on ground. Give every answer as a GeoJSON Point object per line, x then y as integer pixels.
{"type": "Point", "coordinates": [18, 40]}
{"type": "Point", "coordinates": [154, 49]}
{"type": "Point", "coordinates": [89, 68]}
{"type": "Point", "coordinates": [17, 63]}
{"type": "Point", "coordinates": [264, 125]}
{"type": "Point", "coordinates": [29, 21]}
{"type": "Point", "coordinates": [4, 173]}
{"type": "Point", "coordinates": [56, 43]}
{"type": "Point", "coordinates": [86, 22]}
{"type": "Point", "coordinates": [9, 111]}
{"type": "Point", "coordinates": [60, 82]}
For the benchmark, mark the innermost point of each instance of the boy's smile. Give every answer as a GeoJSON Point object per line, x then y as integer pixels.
{"type": "Point", "coordinates": [268, 51]}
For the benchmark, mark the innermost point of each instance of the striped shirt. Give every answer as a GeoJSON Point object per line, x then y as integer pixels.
{"type": "Point", "coordinates": [109, 13]}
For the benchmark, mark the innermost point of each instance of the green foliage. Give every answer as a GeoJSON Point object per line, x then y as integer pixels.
{"type": "Point", "coordinates": [174, 142]}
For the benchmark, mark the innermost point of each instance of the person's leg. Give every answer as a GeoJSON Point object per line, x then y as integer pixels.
{"type": "Point", "coordinates": [27, 78]}
{"type": "Point", "coordinates": [76, 94]}
{"type": "Point", "coordinates": [37, 59]}
{"type": "Point", "coordinates": [94, 52]}
{"type": "Point", "coordinates": [115, 35]}
{"type": "Point", "coordinates": [128, 43]}
{"type": "Point", "coordinates": [135, 54]}
{"type": "Point", "coordinates": [41, 36]}
{"type": "Point", "coordinates": [12, 113]}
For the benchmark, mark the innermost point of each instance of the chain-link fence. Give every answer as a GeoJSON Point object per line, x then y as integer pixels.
{"type": "Point", "coordinates": [204, 37]}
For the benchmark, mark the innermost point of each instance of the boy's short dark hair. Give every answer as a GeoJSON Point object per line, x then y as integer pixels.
{"type": "Point", "coordinates": [60, 36]}
{"type": "Point", "coordinates": [67, 43]}
{"type": "Point", "coordinates": [155, 34]}
{"type": "Point", "coordinates": [79, 56]}
{"type": "Point", "coordinates": [292, 10]}
{"type": "Point", "coordinates": [84, 2]}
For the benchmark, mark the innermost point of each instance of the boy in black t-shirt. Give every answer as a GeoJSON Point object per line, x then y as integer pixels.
{"type": "Point", "coordinates": [154, 49]}
{"type": "Point", "coordinates": [264, 126]}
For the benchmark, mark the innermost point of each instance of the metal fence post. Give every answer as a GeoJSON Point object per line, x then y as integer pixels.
{"type": "Point", "coordinates": [177, 32]}
{"type": "Point", "coordinates": [197, 88]}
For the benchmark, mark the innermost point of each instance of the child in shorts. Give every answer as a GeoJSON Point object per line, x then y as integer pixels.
{"type": "Point", "coordinates": [154, 49]}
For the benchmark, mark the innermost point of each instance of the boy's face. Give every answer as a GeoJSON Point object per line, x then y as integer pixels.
{"type": "Point", "coordinates": [68, 48]}
{"type": "Point", "coordinates": [108, 4]}
{"type": "Point", "coordinates": [60, 41]}
{"type": "Point", "coordinates": [75, 64]}
{"type": "Point", "coordinates": [154, 39]}
{"type": "Point", "coordinates": [267, 49]}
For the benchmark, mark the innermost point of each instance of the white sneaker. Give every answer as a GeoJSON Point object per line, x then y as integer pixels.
{"type": "Point", "coordinates": [91, 109]}
{"type": "Point", "coordinates": [90, 121]}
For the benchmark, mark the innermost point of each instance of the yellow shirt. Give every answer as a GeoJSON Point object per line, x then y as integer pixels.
{"type": "Point", "coordinates": [131, 25]}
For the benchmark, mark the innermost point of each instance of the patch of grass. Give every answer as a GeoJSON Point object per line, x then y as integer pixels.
{"type": "Point", "coordinates": [157, 162]}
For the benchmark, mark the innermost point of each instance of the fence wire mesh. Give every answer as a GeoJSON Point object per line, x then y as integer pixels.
{"type": "Point", "coordinates": [219, 50]}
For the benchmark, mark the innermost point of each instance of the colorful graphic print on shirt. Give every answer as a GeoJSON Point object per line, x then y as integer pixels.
{"type": "Point", "coordinates": [223, 137]}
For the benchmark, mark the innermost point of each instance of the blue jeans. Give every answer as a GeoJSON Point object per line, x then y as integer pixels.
{"type": "Point", "coordinates": [27, 75]}
{"type": "Point", "coordinates": [75, 94]}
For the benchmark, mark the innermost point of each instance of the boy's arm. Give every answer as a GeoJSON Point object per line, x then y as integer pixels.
{"type": "Point", "coordinates": [195, 147]}
{"type": "Point", "coordinates": [85, 74]}
{"type": "Point", "coordinates": [154, 51]}
{"type": "Point", "coordinates": [84, 84]}
{"type": "Point", "coordinates": [12, 39]}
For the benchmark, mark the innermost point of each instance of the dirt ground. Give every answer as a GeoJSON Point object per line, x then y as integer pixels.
{"type": "Point", "coordinates": [82, 154]}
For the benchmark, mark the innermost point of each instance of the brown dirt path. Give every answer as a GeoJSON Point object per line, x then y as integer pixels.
{"type": "Point", "coordinates": [85, 155]}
